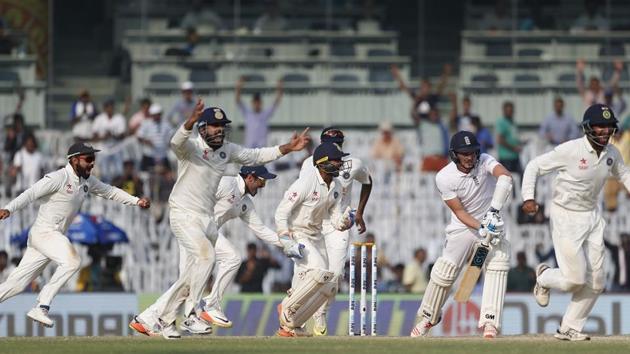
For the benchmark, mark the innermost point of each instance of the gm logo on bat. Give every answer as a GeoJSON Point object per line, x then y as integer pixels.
{"type": "Point", "coordinates": [479, 257]}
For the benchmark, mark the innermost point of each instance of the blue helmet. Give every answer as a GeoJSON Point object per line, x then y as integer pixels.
{"type": "Point", "coordinates": [333, 135]}
{"type": "Point", "coordinates": [213, 116]}
{"type": "Point", "coordinates": [463, 141]}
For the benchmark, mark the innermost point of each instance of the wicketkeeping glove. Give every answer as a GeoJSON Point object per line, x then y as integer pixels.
{"type": "Point", "coordinates": [348, 217]}
{"type": "Point", "coordinates": [290, 247]}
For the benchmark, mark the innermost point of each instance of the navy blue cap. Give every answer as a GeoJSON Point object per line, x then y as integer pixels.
{"type": "Point", "coordinates": [258, 171]}
{"type": "Point", "coordinates": [213, 116]}
{"type": "Point", "coordinates": [464, 141]}
{"type": "Point", "coordinates": [599, 114]}
{"type": "Point", "coordinates": [78, 149]}
{"type": "Point", "coordinates": [327, 151]}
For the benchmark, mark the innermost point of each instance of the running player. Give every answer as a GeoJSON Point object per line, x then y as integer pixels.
{"type": "Point", "coordinates": [475, 187]}
{"type": "Point", "coordinates": [577, 225]}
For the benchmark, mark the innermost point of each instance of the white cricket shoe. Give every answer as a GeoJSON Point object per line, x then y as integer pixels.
{"type": "Point", "coordinates": [571, 335]}
{"type": "Point", "coordinates": [320, 328]}
{"type": "Point", "coordinates": [40, 314]}
{"type": "Point", "coordinates": [194, 325]}
{"type": "Point", "coordinates": [138, 325]}
{"type": "Point", "coordinates": [422, 328]}
{"type": "Point", "coordinates": [540, 292]}
{"type": "Point", "coordinates": [490, 331]}
{"type": "Point", "coordinates": [215, 316]}
{"type": "Point", "coordinates": [285, 331]}
{"type": "Point", "coordinates": [169, 331]}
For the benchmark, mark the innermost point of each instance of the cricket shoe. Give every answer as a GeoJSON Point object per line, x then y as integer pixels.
{"type": "Point", "coordinates": [194, 325]}
{"type": "Point", "coordinates": [169, 331]}
{"type": "Point", "coordinates": [422, 328]}
{"type": "Point", "coordinates": [540, 292]}
{"type": "Point", "coordinates": [320, 328]}
{"type": "Point", "coordinates": [285, 331]}
{"type": "Point", "coordinates": [141, 327]}
{"type": "Point", "coordinates": [490, 331]}
{"type": "Point", "coordinates": [571, 335]}
{"type": "Point", "coordinates": [214, 315]}
{"type": "Point", "coordinates": [40, 314]}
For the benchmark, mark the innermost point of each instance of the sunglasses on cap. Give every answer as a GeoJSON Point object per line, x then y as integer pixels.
{"type": "Point", "coordinates": [87, 158]}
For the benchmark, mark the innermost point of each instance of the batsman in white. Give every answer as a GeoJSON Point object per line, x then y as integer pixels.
{"type": "Point", "coordinates": [300, 215]}
{"type": "Point", "coordinates": [234, 200]}
{"type": "Point", "coordinates": [202, 161]}
{"type": "Point", "coordinates": [577, 226]}
{"type": "Point", "coordinates": [475, 187]}
{"type": "Point", "coordinates": [337, 242]}
{"type": "Point", "coordinates": [61, 194]}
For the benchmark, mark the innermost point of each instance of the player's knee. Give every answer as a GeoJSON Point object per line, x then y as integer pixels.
{"type": "Point", "coordinates": [444, 272]}
{"type": "Point", "coordinates": [233, 263]}
{"type": "Point", "coordinates": [574, 286]}
{"type": "Point", "coordinates": [73, 263]}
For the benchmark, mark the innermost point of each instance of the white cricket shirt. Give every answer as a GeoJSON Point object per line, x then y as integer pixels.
{"type": "Point", "coordinates": [306, 204]}
{"type": "Point", "coordinates": [233, 202]}
{"type": "Point", "coordinates": [62, 193]}
{"type": "Point", "coordinates": [581, 173]}
{"type": "Point", "coordinates": [474, 190]}
{"type": "Point", "coordinates": [199, 169]}
{"type": "Point", "coordinates": [358, 172]}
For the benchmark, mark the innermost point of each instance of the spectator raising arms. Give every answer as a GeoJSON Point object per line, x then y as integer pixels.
{"type": "Point", "coordinates": [257, 118]}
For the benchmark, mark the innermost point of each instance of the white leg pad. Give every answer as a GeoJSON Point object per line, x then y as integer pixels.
{"type": "Point", "coordinates": [301, 303]}
{"type": "Point", "coordinates": [494, 285]}
{"type": "Point", "coordinates": [443, 276]}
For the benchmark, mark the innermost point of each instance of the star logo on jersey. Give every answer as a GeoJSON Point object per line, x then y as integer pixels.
{"type": "Point", "coordinates": [293, 196]}
{"type": "Point", "coordinates": [583, 164]}
{"type": "Point", "coordinates": [205, 154]}
{"type": "Point", "coordinates": [231, 199]}
{"type": "Point", "coordinates": [69, 188]}
{"type": "Point", "coordinates": [315, 196]}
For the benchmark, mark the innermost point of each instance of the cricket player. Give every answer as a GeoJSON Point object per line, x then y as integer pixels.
{"type": "Point", "coordinates": [337, 242]}
{"type": "Point", "coordinates": [300, 215]}
{"type": "Point", "coordinates": [202, 161]}
{"type": "Point", "coordinates": [475, 187]}
{"type": "Point", "coordinates": [61, 194]}
{"type": "Point", "coordinates": [577, 225]}
{"type": "Point", "coordinates": [234, 200]}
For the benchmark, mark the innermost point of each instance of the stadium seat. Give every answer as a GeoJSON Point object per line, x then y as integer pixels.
{"type": "Point", "coordinates": [527, 83]}
{"type": "Point", "coordinates": [484, 83]}
{"type": "Point", "coordinates": [566, 83]}
{"type": "Point", "coordinates": [342, 82]}
{"type": "Point", "coordinates": [499, 49]}
{"type": "Point", "coordinates": [202, 76]}
{"type": "Point", "coordinates": [379, 52]}
{"type": "Point", "coordinates": [163, 78]}
{"type": "Point", "coordinates": [296, 82]}
{"type": "Point", "coordinates": [530, 53]}
{"type": "Point", "coordinates": [613, 49]}
{"type": "Point", "coordinates": [9, 76]}
{"type": "Point", "coordinates": [342, 49]}
{"type": "Point", "coordinates": [381, 77]}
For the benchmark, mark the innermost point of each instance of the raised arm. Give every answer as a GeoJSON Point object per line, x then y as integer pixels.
{"type": "Point", "coordinates": [180, 142]}
{"type": "Point", "coordinates": [253, 157]}
{"type": "Point", "coordinates": [107, 191]}
{"type": "Point", "coordinates": [279, 93]}
{"type": "Point", "coordinates": [446, 74]}
{"type": "Point", "coordinates": [579, 76]}
{"type": "Point", "coordinates": [45, 186]}
{"type": "Point", "coordinates": [401, 82]}
{"type": "Point", "coordinates": [237, 91]}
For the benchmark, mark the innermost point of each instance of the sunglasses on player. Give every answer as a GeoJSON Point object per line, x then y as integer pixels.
{"type": "Point", "coordinates": [87, 158]}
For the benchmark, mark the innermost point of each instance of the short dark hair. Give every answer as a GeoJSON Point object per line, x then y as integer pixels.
{"type": "Point", "coordinates": [252, 246]}
{"type": "Point", "coordinates": [4, 253]}
{"type": "Point", "coordinates": [145, 100]}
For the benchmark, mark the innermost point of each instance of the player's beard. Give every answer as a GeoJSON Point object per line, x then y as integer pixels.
{"type": "Point", "coordinates": [83, 172]}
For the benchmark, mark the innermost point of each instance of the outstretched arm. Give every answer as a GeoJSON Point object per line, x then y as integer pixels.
{"type": "Point", "coordinates": [45, 186]}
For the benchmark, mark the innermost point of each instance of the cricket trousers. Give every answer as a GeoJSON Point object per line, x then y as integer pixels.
{"type": "Point", "coordinates": [43, 246]}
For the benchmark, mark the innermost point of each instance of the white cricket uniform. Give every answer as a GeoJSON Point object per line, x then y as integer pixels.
{"type": "Point", "coordinates": [199, 171]}
{"type": "Point", "coordinates": [474, 190]}
{"type": "Point", "coordinates": [302, 211]}
{"type": "Point", "coordinates": [61, 193]}
{"type": "Point", "coordinates": [336, 241]}
{"type": "Point", "coordinates": [232, 202]}
{"type": "Point", "coordinates": [577, 226]}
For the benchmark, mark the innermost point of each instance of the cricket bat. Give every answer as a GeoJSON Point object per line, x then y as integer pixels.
{"type": "Point", "coordinates": [470, 277]}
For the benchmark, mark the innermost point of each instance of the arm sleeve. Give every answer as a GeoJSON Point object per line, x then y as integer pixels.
{"type": "Point", "coordinates": [180, 142]}
{"type": "Point", "coordinates": [446, 192]}
{"type": "Point", "coordinates": [253, 221]}
{"type": "Point", "coordinates": [336, 213]}
{"type": "Point", "coordinates": [106, 191]}
{"type": "Point", "coordinates": [17, 159]}
{"type": "Point", "coordinates": [540, 166]}
{"type": "Point", "coordinates": [621, 170]}
{"type": "Point", "coordinates": [254, 157]}
{"type": "Point", "coordinates": [362, 174]}
{"type": "Point", "coordinates": [292, 197]}
{"type": "Point", "coordinates": [489, 163]}
{"type": "Point", "coordinates": [45, 186]}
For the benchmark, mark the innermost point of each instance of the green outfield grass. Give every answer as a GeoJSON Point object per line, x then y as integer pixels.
{"type": "Point", "coordinates": [137, 345]}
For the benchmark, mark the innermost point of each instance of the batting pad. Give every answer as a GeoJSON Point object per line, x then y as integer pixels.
{"type": "Point", "coordinates": [317, 287]}
{"type": "Point", "coordinates": [443, 276]}
{"type": "Point", "coordinates": [502, 191]}
{"type": "Point", "coordinates": [494, 285]}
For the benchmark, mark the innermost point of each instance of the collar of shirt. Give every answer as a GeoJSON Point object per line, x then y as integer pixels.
{"type": "Point", "coordinates": [73, 175]}
{"type": "Point", "coordinates": [321, 180]}
{"type": "Point", "coordinates": [590, 148]}
{"type": "Point", "coordinates": [240, 185]}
